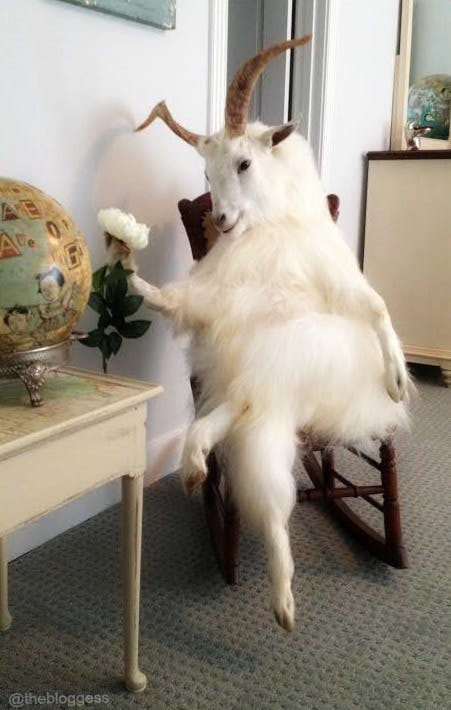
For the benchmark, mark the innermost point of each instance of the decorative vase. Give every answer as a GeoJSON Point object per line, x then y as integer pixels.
{"type": "Point", "coordinates": [45, 282]}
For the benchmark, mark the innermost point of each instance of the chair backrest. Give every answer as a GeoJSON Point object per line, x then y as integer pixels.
{"type": "Point", "coordinates": [199, 226]}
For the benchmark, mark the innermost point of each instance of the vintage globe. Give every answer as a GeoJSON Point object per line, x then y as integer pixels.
{"type": "Point", "coordinates": [45, 270]}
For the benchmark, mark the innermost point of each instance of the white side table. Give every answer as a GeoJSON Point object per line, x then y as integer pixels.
{"type": "Point", "coordinates": [90, 430]}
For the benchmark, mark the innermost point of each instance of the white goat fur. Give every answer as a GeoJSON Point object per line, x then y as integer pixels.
{"type": "Point", "coordinates": [288, 335]}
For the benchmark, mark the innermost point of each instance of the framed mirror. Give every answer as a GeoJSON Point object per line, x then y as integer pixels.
{"type": "Point", "coordinates": [422, 89]}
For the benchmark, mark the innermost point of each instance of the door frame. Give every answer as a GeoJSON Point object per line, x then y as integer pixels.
{"type": "Point", "coordinates": [313, 74]}
{"type": "Point", "coordinates": [314, 69]}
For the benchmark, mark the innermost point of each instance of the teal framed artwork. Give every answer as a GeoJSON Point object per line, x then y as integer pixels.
{"type": "Point", "coordinates": [159, 13]}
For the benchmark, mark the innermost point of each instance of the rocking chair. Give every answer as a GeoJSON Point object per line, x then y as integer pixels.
{"type": "Point", "coordinates": [318, 461]}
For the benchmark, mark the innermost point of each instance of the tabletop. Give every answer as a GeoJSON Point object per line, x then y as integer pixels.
{"type": "Point", "coordinates": [72, 397]}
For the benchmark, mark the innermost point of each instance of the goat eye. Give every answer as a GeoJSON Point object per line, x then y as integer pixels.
{"type": "Point", "coordinates": [206, 177]}
{"type": "Point", "coordinates": [243, 166]}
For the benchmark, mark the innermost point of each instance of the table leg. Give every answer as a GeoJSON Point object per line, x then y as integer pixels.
{"type": "Point", "coordinates": [5, 616]}
{"type": "Point", "coordinates": [132, 504]}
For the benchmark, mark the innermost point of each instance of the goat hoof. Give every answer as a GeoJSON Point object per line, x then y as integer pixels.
{"type": "Point", "coordinates": [285, 620]}
{"type": "Point", "coordinates": [284, 612]}
{"type": "Point", "coordinates": [194, 469]}
{"type": "Point", "coordinates": [396, 379]}
{"type": "Point", "coordinates": [396, 387]}
{"type": "Point", "coordinates": [193, 481]}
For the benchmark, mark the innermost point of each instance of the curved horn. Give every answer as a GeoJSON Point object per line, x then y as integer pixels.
{"type": "Point", "coordinates": [162, 111]}
{"type": "Point", "coordinates": [240, 90]}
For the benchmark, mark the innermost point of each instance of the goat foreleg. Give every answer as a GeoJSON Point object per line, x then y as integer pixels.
{"type": "Point", "coordinates": [202, 436]}
{"type": "Point", "coordinates": [396, 375]}
{"type": "Point", "coordinates": [168, 302]}
{"type": "Point", "coordinates": [181, 302]}
{"type": "Point", "coordinates": [366, 303]}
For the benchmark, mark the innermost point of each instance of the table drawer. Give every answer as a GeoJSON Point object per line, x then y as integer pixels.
{"type": "Point", "coordinates": [52, 473]}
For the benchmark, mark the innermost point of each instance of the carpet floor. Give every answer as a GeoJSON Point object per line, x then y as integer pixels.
{"type": "Point", "coordinates": [368, 637]}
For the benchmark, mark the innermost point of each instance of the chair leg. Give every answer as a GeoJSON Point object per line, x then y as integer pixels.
{"type": "Point", "coordinates": [389, 547]}
{"type": "Point", "coordinates": [231, 538]}
{"type": "Point", "coordinates": [392, 513]}
{"type": "Point", "coordinates": [223, 522]}
{"type": "Point", "coordinates": [327, 464]}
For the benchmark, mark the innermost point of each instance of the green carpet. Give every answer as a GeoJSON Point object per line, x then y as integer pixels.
{"type": "Point", "coordinates": [368, 637]}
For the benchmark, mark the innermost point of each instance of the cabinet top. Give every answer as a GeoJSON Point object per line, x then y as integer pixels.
{"type": "Point", "coordinates": [408, 154]}
{"type": "Point", "coordinates": [73, 399]}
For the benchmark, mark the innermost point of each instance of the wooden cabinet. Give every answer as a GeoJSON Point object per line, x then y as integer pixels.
{"type": "Point", "coordinates": [407, 249]}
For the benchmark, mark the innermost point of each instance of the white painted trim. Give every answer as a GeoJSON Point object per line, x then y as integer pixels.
{"type": "Point", "coordinates": [217, 62]}
{"type": "Point", "coordinates": [313, 72]}
{"type": "Point", "coordinates": [301, 79]}
{"type": "Point", "coordinates": [288, 33]}
{"type": "Point", "coordinates": [401, 78]}
{"type": "Point", "coordinates": [330, 64]}
{"type": "Point", "coordinates": [276, 26]}
{"type": "Point", "coordinates": [163, 454]}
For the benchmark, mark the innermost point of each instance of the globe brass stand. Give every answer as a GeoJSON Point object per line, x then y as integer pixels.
{"type": "Point", "coordinates": [32, 366]}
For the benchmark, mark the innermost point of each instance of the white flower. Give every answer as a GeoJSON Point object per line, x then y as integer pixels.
{"type": "Point", "coordinates": [123, 226]}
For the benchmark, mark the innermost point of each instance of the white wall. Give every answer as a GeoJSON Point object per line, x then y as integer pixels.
{"type": "Point", "coordinates": [361, 63]}
{"type": "Point", "coordinates": [74, 84]}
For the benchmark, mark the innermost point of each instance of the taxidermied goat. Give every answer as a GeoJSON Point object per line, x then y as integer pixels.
{"type": "Point", "coordinates": [288, 336]}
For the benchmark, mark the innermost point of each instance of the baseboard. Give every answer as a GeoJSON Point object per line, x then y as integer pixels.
{"type": "Point", "coordinates": [58, 521]}
{"type": "Point", "coordinates": [163, 454]}
{"type": "Point", "coordinates": [163, 457]}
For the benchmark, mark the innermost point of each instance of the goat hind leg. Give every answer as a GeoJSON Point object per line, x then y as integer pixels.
{"type": "Point", "coordinates": [281, 569]}
{"type": "Point", "coordinates": [264, 488]}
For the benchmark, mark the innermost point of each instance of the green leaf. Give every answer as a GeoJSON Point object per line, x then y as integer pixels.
{"type": "Point", "coordinates": [117, 321]}
{"type": "Point", "coordinates": [116, 272]}
{"type": "Point", "coordinates": [129, 305]}
{"type": "Point", "coordinates": [98, 278]}
{"type": "Point", "coordinates": [97, 302]}
{"type": "Point", "coordinates": [115, 342]}
{"type": "Point", "coordinates": [134, 329]}
{"type": "Point", "coordinates": [104, 320]}
{"type": "Point", "coordinates": [94, 338]}
{"type": "Point", "coordinates": [116, 291]}
{"type": "Point", "coordinates": [105, 347]}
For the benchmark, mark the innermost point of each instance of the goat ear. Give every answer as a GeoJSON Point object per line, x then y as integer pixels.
{"type": "Point", "coordinates": [275, 135]}
{"type": "Point", "coordinates": [203, 142]}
